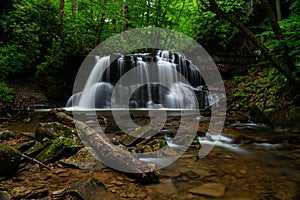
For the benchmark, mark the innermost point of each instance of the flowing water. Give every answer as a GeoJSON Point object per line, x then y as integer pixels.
{"type": "Point", "coordinates": [167, 80]}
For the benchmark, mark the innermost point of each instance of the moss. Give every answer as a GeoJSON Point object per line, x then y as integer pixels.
{"type": "Point", "coordinates": [10, 159]}
{"type": "Point", "coordinates": [6, 135]}
{"type": "Point", "coordinates": [262, 94]}
{"type": "Point", "coordinates": [37, 148]}
{"type": "Point", "coordinates": [59, 147]}
{"type": "Point", "coordinates": [97, 182]}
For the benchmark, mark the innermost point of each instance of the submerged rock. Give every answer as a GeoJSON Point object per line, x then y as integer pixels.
{"type": "Point", "coordinates": [209, 189]}
{"type": "Point", "coordinates": [91, 189]}
{"type": "Point", "coordinates": [10, 159]}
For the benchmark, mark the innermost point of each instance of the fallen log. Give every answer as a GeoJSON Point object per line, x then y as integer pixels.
{"type": "Point", "coordinates": [108, 153]}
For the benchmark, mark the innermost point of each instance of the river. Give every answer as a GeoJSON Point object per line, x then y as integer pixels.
{"type": "Point", "coordinates": [250, 162]}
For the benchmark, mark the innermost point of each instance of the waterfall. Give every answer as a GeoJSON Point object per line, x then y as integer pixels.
{"type": "Point", "coordinates": [89, 92]}
{"type": "Point", "coordinates": [166, 80]}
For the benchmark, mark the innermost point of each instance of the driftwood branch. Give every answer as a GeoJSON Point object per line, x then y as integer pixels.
{"type": "Point", "coordinates": [109, 153]}
{"type": "Point", "coordinates": [36, 161]}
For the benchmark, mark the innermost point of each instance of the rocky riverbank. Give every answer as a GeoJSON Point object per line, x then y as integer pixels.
{"type": "Point", "coordinates": [250, 166]}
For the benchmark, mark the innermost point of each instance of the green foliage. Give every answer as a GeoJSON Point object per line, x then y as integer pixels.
{"type": "Point", "coordinates": [264, 89]}
{"type": "Point", "coordinates": [28, 27]}
{"type": "Point", "coordinates": [290, 28]}
{"type": "Point", "coordinates": [6, 93]}
{"type": "Point", "coordinates": [291, 31]}
{"type": "Point", "coordinates": [214, 32]}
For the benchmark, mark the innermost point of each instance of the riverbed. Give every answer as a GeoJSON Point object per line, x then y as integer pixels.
{"type": "Point", "coordinates": [254, 162]}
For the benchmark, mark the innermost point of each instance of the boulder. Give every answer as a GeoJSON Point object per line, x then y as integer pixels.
{"type": "Point", "coordinates": [4, 195]}
{"type": "Point", "coordinates": [37, 148]}
{"type": "Point", "coordinates": [26, 145]}
{"type": "Point", "coordinates": [52, 130]}
{"type": "Point", "coordinates": [84, 160]}
{"type": "Point", "coordinates": [91, 189]}
{"type": "Point", "coordinates": [10, 159]}
{"type": "Point", "coordinates": [60, 147]}
{"type": "Point", "coordinates": [286, 120]}
{"type": "Point", "coordinates": [6, 135]}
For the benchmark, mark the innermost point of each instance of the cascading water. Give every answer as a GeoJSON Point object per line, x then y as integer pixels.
{"type": "Point", "coordinates": [169, 90]}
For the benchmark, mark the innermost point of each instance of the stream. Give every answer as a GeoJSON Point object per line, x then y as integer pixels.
{"type": "Point", "coordinates": [249, 161]}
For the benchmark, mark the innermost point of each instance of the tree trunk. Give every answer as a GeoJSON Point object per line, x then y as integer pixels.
{"type": "Point", "coordinates": [100, 28]}
{"type": "Point", "coordinates": [109, 152]}
{"type": "Point", "coordinates": [148, 13]}
{"type": "Point", "coordinates": [279, 36]}
{"type": "Point", "coordinates": [124, 16]}
{"type": "Point", "coordinates": [165, 12]}
{"type": "Point", "coordinates": [61, 14]}
{"type": "Point", "coordinates": [278, 10]}
{"type": "Point", "coordinates": [74, 5]}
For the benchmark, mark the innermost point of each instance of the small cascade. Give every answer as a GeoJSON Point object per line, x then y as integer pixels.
{"type": "Point", "coordinates": [221, 141]}
{"type": "Point", "coordinates": [166, 80]}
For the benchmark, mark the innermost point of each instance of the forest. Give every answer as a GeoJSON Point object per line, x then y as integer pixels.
{"type": "Point", "coordinates": [47, 40]}
{"type": "Point", "coordinates": [256, 47]}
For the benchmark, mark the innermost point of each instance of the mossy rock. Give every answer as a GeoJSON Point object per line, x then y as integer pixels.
{"type": "Point", "coordinates": [52, 130]}
{"type": "Point", "coordinates": [186, 140]}
{"type": "Point", "coordinates": [10, 159]}
{"type": "Point", "coordinates": [92, 189]}
{"type": "Point", "coordinates": [59, 148]}
{"type": "Point", "coordinates": [26, 145]}
{"type": "Point", "coordinates": [287, 120]}
{"type": "Point", "coordinates": [37, 148]}
{"type": "Point", "coordinates": [153, 145]}
{"type": "Point", "coordinates": [6, 135]}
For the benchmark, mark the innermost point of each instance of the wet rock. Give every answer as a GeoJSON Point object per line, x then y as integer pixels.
{"type": "Point", "coordinates": [26, 145]}
{"type": "Point", "coordinates": [59, 148]}
{"type": "Point", "coordinates": [10, 159]}
{"type": "Point", "coordinates": [43, 176]}
{"type": "Point", "coordinates": [52, 130]}
{"type": "Point", "coordinates": [37, 148]}
{"type": "Point", "coordinates": [35, 168]}
{"type": "Point", "coordinates": [142, 134]}
{"type": "Point", "coordinates": [6, 135]}
{"type": "Point", "coordinates": [191, 174]}
{"type": "Point", "coordinates": [4, 195]}
{"type": "Point", "coordinates": [20, 192]}
{"type": "Point", "coordinates": [209, 189]}
{"type": "Point", "coordinates": [17, 179]}
{"type": "Point", "coordinates": [258, 116]}
{"type": "Point", "coordinates": [165, 189]}
{"type": "Point", "coordinates": [91, 189]}
{"type": "Point", "coordinates": [36, 194]}
{"type": "Point", "coordinates": [152, 146]}
{"type": "Point", "coordinates": [57, 195]}
{"type": "Point", "coordinates": [29, 134]}
{"type": "Point", "coordinates": [286, 120]}
{"type": "Point", "coordinates": [186, 140]}
{"type": "Point", "coordinates": [27, 120]}
{"type": "Point", "coordinates": [233, 116]}
{"type": "Point", "coordinates": [84, 160]}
